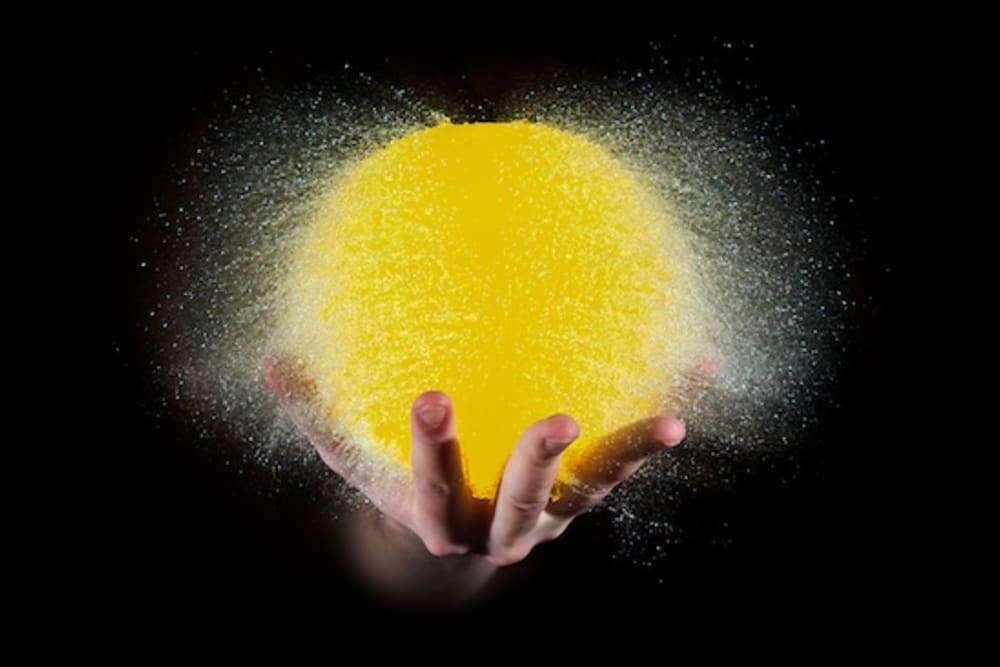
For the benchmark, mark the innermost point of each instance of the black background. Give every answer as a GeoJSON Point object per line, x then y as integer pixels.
{"type": "Point", "coordinates": [183, 529]}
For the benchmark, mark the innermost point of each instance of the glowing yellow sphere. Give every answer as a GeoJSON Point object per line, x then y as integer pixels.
{"type": "Point", "coordinates": [520, 268]}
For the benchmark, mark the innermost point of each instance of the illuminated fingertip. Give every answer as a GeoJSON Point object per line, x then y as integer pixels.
{"type": "Point", "coordinates": [669, 431]}
{"type": "Point", "coordinates": [709, 368]}
{"type": "Point", "coordinates": [281, 375]}
{"type": "Point", "coordinates": [562, 429]}
{"type": "Point", "coordinates": [268, 365]}
{"type": "Point", "coordinates": [272, 369]}
{"type": "Point", "coordinates": [431, 409]}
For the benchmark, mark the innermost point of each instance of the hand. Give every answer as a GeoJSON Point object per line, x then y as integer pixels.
{"type": "Point", "coordinates": [435, 503]}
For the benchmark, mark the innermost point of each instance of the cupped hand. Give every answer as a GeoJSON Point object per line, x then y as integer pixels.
{"type": "Point", "coordinates": [435, 502]}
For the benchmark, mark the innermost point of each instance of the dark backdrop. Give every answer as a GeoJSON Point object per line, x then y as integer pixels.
{"type": "Point", "coordinates": [182, 528]}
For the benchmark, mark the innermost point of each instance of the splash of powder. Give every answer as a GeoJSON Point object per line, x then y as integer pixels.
{"type": "Point", "coordinates": [520, 268]}
{"type": "Point", "coordinates": [763, 256]}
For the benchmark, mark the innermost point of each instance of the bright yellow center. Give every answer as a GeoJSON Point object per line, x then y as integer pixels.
{"type": "Point", "coordinates": [519, 268]}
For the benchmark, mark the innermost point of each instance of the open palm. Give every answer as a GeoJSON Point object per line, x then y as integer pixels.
{"type": "Point", "coordinates": [435, 502]}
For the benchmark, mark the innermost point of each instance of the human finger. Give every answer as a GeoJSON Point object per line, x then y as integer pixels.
{"type": "Point", "coordinates": [437, 474]}
{"type": "Point", "coordinates": [296, 394]}
{"type": "Point", "coordinates": [613, 459]}
{"type": "Point", "coordinates": [526, 487]}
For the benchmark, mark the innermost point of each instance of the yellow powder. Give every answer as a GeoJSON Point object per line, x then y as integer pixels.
{"type": "Point", "coordinates": [517, 267]}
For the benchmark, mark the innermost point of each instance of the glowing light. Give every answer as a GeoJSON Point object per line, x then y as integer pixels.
{"type": "Point", "coordinates": [522, 269]}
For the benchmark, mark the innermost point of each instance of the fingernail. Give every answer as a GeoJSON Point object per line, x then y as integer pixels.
{"type": "Point", "coordinates": [556, 446]}
{"type": "Point", "coordinates": [432, 415]}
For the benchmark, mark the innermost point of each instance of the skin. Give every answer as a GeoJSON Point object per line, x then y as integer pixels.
{"type": "Point", "coordinates": [429, 525]}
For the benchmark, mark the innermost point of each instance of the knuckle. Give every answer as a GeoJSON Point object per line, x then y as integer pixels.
{"type": "Point", "coordinates": [526, 505]}
{"type": "Point", "coordinates": [433, 488]}
{"type": "Point", "coordinates": [540, 453]}
{"type": "Point", "coordinates": [438, 549]}
{"type": "Point", "coordinates": [592, 495]}
{"type": "Point", "coordinates": [509, 555]}
{"type": "Point", "coordinates": [437, 546]}
{"type": "Point", "coordinates": [553, 531]}
{"type": "Point", "coordinates": [615, 473]}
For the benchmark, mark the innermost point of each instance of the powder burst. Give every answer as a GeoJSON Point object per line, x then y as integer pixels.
{"type": "Point", "coordinates": [757, 270]}
{"type": "Point", "coordinates": [521, 269]}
